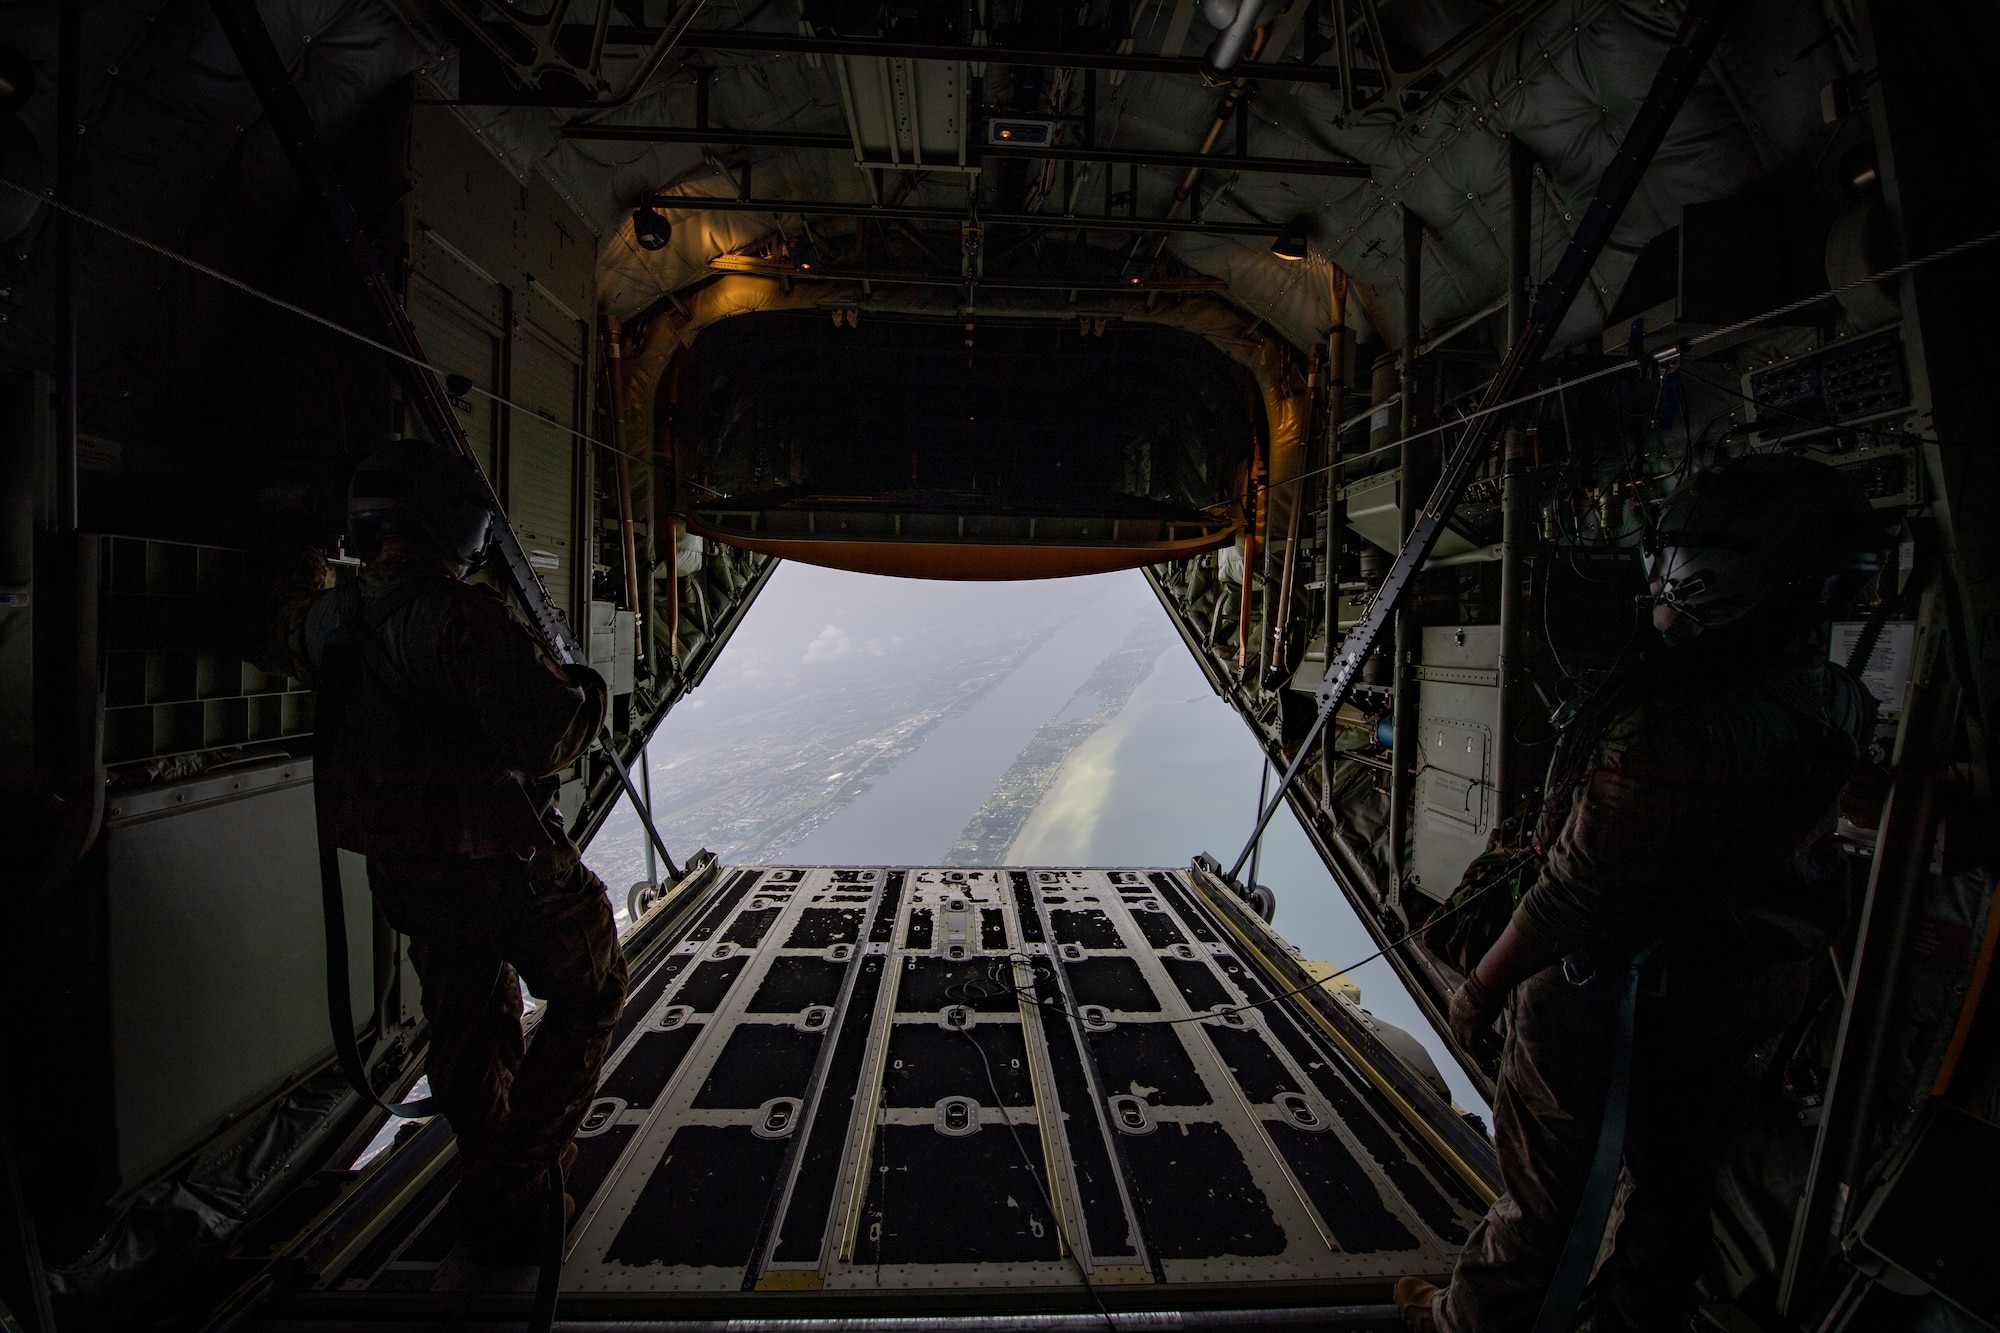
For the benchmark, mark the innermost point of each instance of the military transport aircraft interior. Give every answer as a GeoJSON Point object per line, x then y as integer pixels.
{"type": "Point", "coordinates": [1566, 433]}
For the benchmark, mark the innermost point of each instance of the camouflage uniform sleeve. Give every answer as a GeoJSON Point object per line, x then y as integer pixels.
{"type": "Point", "coordinates": [270, 623]}
{"type": "Point", "coordinates": [538, 716]}
{"type": "Point", "coordinates": [1617, 871]}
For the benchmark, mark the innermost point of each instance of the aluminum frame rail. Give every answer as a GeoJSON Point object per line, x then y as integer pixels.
{"type": "Point", "coordinates": [1693, 45]}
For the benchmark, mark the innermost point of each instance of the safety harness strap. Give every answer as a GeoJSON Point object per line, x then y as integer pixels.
{"type": "Point", "coordinates": [1593, 1211]}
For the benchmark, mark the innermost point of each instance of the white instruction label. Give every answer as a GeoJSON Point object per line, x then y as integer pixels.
{"type": "Point", "coordinates": [1887, 670]}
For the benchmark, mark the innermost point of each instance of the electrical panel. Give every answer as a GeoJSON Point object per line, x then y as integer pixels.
{"type": "Point", "coordinates": [1889, 472]}
{"type": "Point", "coordinates": [1843, 384]}
{"type": "Point", "coordinates": [1818, 400]}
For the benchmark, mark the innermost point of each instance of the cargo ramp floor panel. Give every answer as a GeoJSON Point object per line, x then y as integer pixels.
{"type": "Point", "coordinates": [891, 1090]}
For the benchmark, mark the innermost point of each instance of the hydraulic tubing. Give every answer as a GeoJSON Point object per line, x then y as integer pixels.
{"type": "Point", "coordinates": [1512, 773]}
{"type": "Point", "coordinates": [614, 363]}
{"type": "Point", "coordinates": [1693, 44]}
{"type": "Point", "coordinates": [1258, 503]}
{"type": "Point", "coordinates": [1517, 529]}
{"type": "Point", "coordinates": [1245, 30]}
{"type": "Point", "coordinates": [1403, 749]}
{"type": "Point", "coordinates": [1225, 111]}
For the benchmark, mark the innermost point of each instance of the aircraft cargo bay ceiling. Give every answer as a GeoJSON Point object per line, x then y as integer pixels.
{"type": "Point", "coordinates": [171, 154]}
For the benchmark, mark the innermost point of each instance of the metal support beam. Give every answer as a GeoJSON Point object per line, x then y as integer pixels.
{"type": "Point", "coordinates": [955, 217]}
{"type": "Point", "coordinates": [711, 136]}
{"type": "Point", "coordinates": [1226, 162]}
{"type": "Point", "coordinates": [69, 148]}
{"type": "Point", "coordinates": [1512, 773]}
{"type": "Point", "coordinates": [1329, 487]}
{"type": "Point", "coordinates": [244, 26]}
{"type": "Point", "coordinates": [716, 136]}
{"type": "Point", "coordinates": [1905, 843]}
{"type": "Point", "coordinates": [1403, 748]}
{"type": "Point", "coordinates": [68, 706]}
{"type": "Point", "coordinates": [793, 43]}
{"type": "Point", "coordinates": [640, 805]}
{"type": "Point", "coordinates": [765, 268]}
{"type": "Point", "coordinates": [1520, 239]}
{"type": "Point", "coordinates": [1693, 44]}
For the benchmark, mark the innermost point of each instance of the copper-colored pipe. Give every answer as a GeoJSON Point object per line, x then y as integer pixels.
{"type": "Point", "coordinates": [1225, 111]}
{"type": "Point", "coordinates": [614, 366]}
{"type": "Point", "coordinates": [1251, 530]}
{"type": "Point", "coordinates": [666, 455]}
{"type": "Point", "coordinates": [1282, 620]}
{"type": "Point", "coordinates": [674, 602]}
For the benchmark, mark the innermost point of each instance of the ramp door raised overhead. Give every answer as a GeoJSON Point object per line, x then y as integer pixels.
{"type": "Point", "coordinates": [828, 1080]}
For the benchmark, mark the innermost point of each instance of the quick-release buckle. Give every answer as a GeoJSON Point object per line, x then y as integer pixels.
{"type": "Point", "coordinates": [1579, 969]}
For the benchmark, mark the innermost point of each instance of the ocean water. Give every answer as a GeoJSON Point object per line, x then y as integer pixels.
{"type": "Point", "coordinates": [914, 813]}
{"type": "Point", "coordinates": [1176, 773]}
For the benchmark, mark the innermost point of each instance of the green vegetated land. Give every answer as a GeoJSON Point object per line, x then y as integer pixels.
{"type": "Point", "coordinates": [1021, 788]}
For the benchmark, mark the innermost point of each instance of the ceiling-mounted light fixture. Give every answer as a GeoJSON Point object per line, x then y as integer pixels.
{"type": "Point", "coordinates": [650, 229]}
{"type": "Point", "coordinates": [1291, 242]}
{"type": "Point", "coordinates": [1136, 271]}
{"type": "Point", "coordinates": [806, 255]}
{"type": "Point", "coordinates": [1235, 22]}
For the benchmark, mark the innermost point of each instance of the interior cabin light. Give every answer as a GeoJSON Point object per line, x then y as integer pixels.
{"type": "Point", "coordinates": [1291, 242]}
{"type": "Point", "coordinates": [806, 255]}
{"type": "Point", "coordinates": [651, 229]}
{"type": "Point", "coordinates": [1135, 272]}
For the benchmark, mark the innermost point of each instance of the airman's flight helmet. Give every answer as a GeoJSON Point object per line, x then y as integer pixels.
{"type": "Point", "coordinates": [411, 489]}
{"type": "Point", "coordinates": [1766, 533]}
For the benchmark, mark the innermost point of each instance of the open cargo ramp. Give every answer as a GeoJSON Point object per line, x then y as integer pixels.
{"type": "Point", "coordinates": [826, 1100]}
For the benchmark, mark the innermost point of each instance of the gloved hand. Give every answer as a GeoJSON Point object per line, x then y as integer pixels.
{"type": "Point", "coordinates": [1474, 1006]}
